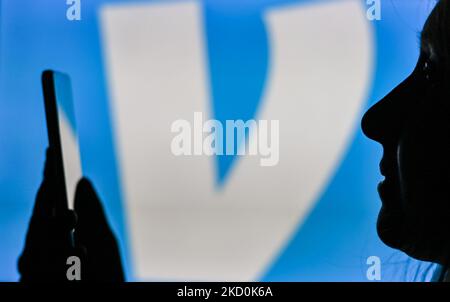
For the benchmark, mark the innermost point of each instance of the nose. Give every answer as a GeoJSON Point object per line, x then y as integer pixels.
{"type": "Point", "coordinates": [384, 120]}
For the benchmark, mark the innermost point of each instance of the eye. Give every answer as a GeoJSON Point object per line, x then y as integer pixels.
{"type": "Point", "coordinates": [430, 71]}
{"type": "Point", "coordinates": [426, 70]}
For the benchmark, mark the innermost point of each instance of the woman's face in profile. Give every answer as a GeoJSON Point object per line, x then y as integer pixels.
{"type": "Point", "coordinates": [412, 123]}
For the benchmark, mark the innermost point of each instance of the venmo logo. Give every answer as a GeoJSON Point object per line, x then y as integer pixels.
{"type": "Point", "coordinates": [191, 139]}
{"type": "Point", "coordinates": [228, 217]}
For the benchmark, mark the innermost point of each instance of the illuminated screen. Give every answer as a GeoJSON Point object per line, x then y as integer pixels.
{"type": "Point", "coordinates": [68, 135]}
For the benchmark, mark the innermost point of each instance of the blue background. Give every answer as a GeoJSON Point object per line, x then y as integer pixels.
{"type": "Point", "coordinates": [339, 234]}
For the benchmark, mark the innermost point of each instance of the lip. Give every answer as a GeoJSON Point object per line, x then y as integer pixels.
{"type": "Point", "coordinates": [381, 188]}
{"type": "Point", "coordinates": [386, 187]}
{"type": "Point", "coordinates": [385, 193]}
{"type": "Point", "coordinates": [384, 170]}
{"type": "Point", "coordinates": [389, 188]}
{"type": "Point", "coordinates": [388, 192]}
{"type": "Point", "coordinates": [383, 185]}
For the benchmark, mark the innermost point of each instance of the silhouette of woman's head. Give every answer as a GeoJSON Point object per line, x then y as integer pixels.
{"type": "Point", "coordinates": [412, 123]}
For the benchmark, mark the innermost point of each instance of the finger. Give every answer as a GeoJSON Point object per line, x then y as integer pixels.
{"type": "Point", "coordinates": [48, 237]}
{"type": "Point", "coordinates": [46, 196]}
{"type": "Point", "coordinates": [88, 207]}
{"type": "Point", "coordinates": [94, 233]}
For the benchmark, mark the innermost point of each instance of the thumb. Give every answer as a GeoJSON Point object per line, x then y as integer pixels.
{"type": "Point", "coordinates": [95, 236]}
{"type": "Point", "coordinates": [87, 205]}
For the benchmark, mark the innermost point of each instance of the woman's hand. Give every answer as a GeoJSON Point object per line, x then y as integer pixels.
{"type": "Point", "coordinates": [56, 233]}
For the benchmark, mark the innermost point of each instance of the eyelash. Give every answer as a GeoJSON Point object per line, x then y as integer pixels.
{"type": "Point", "coordinates": [429, 72]}
{"type": "Point", "coordinates": [426, 70]}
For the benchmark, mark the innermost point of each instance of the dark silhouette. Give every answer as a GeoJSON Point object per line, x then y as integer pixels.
{"type": "Point", "coordinates": [412, 123]}
{"type": "Point", "coordinates": [55, 233]}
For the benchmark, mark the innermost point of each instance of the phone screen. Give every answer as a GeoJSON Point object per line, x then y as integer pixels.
{"type": "Point", "coordinates": [68, 134]}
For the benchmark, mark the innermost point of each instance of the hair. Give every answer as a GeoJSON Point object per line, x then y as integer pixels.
{"type": "Point", "coordinates": [435, 36]}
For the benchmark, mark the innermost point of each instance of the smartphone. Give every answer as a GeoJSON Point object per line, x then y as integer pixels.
{"type": "Point", "coordinates": [62, 133]}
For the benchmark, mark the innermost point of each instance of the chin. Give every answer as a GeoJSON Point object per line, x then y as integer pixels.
{"type": "Point", "coordinates": [390, 228]}
{"type": "Point", "coordinates": [392, 232]}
